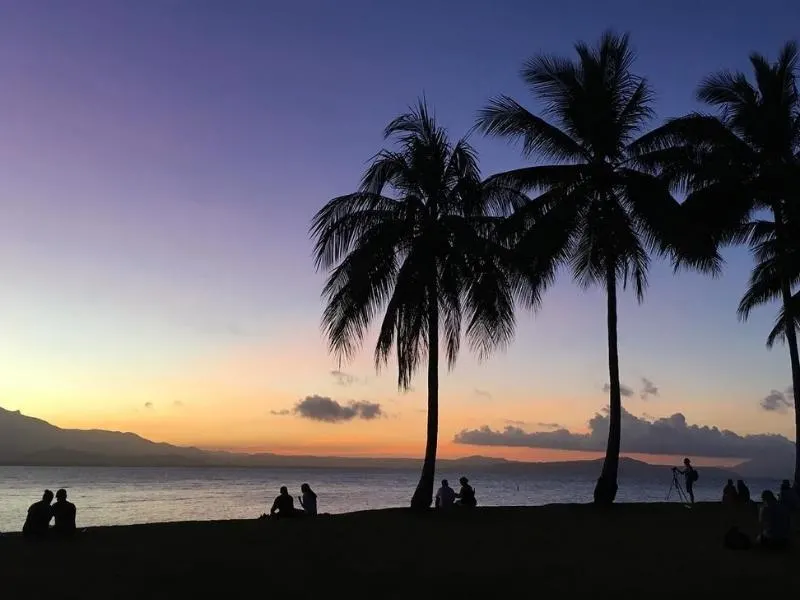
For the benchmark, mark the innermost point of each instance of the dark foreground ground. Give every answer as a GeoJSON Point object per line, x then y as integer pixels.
{"type": "Point", "coordinates": [635, 551]}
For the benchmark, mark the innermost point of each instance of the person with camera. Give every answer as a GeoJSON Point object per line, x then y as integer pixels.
{"type": "Point", "coordinates": [690, 476]}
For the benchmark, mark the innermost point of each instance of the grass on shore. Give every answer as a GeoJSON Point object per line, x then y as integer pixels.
{"type": "Point", "coordinates": [635, 550]}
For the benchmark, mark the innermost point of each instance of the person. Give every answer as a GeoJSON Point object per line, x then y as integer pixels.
{"type": "Point", "coordinates": [283, 505]}
{"type": "Point", "coordinates": [729, 495]}
{"type": "Point", "coordinates": [308, 500]}
{"type": "Point", "coordinates": [64, 515]}
{"type": "Point", "coordinates": [788, 496]}
{"type": "Point", "coordinates": [774, 521]}
{"type": "Point", "coordinates": [446, 496]}
{"type": "Point", "coordinates": [466, 495]}
{"type": "Point", "coordinates": [742, 492]}
{"type": "Point", "coordinates": [689, 476]}
{"type": "Point", "coordinates": [37, 522]}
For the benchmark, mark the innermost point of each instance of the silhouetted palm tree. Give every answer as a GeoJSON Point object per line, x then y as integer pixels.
{"type": "Point", "coordinates": [596, 212]}
{"type": "Point", "coordinates": [414, 242]}
{"type": "Point", "coordinates": [742, 160]}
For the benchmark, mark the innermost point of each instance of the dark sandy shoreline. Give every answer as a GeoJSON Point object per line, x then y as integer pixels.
{"type": "Point", "coordinates": [638, 550]}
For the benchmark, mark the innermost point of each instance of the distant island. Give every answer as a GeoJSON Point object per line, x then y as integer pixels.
{"type": "Point", "coordinates": [28, 441]}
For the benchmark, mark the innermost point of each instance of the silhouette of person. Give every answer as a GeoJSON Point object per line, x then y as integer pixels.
{"type": "Point", "coordinates": [742, 492]}
{"type": "Point", "coordinates": [308, 500]}
{"type": "Point", "coordinates": [689, 477]}
{"type": "Point", "coordinates": [466, 495]}
{"type": "Point", "coordinates": [446, 496]}
{"type": "Point", "coordinates": [788, 496]}
{"type": "Point", "coordinates": [284, 505]}
{"type": "Point", "coordinates": [774, 521]}
{"type": "Point", "coordinates": [37, 523]}
{"type": "Point", "coordinates": [64, 514]}
{"type": "Point", "coordinates": [729, 495]}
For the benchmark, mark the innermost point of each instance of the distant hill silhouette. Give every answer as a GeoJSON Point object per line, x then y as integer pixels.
{"type": "Point", "coordinates": [33, 442]}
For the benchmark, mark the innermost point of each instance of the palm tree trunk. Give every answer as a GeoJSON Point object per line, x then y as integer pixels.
{"type": "Point", "coordinates": [794, 358]}
{"type": "Point", "coordinates": [423, 495]}
{"type": "Point", "coordinates": [606, 489]}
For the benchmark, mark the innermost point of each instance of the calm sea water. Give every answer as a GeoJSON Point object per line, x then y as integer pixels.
{"type": "Point", "coordinates": [122, 496]}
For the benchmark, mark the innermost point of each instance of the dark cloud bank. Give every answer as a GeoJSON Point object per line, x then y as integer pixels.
{"type": "Point", "coordinates": [668, 435]}
{"type": "Point", "coordinates": [328, 410]}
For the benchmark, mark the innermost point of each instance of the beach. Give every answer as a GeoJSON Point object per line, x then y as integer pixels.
{"type": "Point", "coordinates": [638, 550]}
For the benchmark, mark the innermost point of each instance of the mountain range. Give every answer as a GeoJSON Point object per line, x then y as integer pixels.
{"type": "Point", "coordinates": [30, 441]}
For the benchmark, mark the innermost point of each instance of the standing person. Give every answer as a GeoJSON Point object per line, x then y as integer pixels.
{"type": "Point", "coordinates": [466, 495]}
{"type": "Point", "coordinates": [689, 476]}
{"type": "Point", "coordinates": [446, 496]}
{"type": "Point", "coordinates": [64, 514]}
{"type": "Point", "coordinates": [742, 492]}
{"type": "Point", "coordinates": [308, 500]}
{"type": "Point", "coordinates": [283, 506]}
{"type": "Point", "coordinates": [37, 523]}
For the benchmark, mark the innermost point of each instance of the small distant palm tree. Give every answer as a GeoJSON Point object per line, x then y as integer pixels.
{"type": "Point", "coordinates": [414, 243]}
{"type": "Point", "coordinates": [596, 212]}
{"type": "Point", "coordinates": [736, 163]}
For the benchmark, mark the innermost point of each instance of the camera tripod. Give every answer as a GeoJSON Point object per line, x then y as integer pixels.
{"type": "Point", "coordinates": [678, 487]}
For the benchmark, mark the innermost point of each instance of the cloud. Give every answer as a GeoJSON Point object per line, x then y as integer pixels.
{"type": "Point", "coordinates": [648, 389]}
{"type": "Point", "coordinates": [624, 390]}
{"type": "Point", "coordinates": [343, 379]}
{"type": "Point", "coordinates": [327, 410]}
{"type": "Point", "coordinates": [148, 405]}
{"type": "Point", "coordinates": [516, 423]}
{"type": "Point", "coordinates": [281, 413]}
{"type": "Point", "coordinates": [667, 435]}
{"type": "Point", "coordinates": [178, 404]}
{"type": "Point", "coordinates": [777, 401]}
{"type": "Point", "coordinates": [549, 425]}
{"type": "Point", "coordinates": [482, 394]}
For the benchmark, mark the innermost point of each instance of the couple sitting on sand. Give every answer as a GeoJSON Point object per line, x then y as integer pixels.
{"type": "Point", "coordinates": [284, 504]}
{"type": "Point", "coordinates": [446, 496]}
{"type": "Point", "coordinates": [37, 523]}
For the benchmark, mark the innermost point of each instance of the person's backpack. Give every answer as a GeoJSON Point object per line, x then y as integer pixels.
{"type": "Point", "coordinates": [694, 476]}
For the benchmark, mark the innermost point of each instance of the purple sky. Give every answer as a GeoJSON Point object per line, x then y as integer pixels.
{"type": "Point", "coordinates": [160, 162]}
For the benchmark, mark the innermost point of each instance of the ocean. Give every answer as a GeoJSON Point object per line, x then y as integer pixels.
{"type": "Point", "coordinates": [124, 496]}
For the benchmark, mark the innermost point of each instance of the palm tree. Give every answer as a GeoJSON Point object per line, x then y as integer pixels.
{"type": "Point", "coordinates": [596, 212]}
{"type": "Point", "coordinates": [736, 163]}
{"type": "Point", "coordinates": [413, 242]}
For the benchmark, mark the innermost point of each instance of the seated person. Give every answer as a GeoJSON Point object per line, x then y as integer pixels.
{"type": "Point", "coordinates": [729, 495]}
{"type": "Point", "coordinates": [788, 496]}
{"type": "Point", "coordinates": [283, 505]}
{"type": "Point", "coordinates": [64, 515]}
{"type": "Point", "coordinates": [308, 500]}
{"type": "Point", "coordinates": [466, 495]}
{"type": "Point", "coordinates": [742, 492]}
{"type": "Point", "coordinates": [446, 496]}
{"type": "Point", "coordinates": [774, 521]}
{"type": "Point", "coordinates": [37, 523]}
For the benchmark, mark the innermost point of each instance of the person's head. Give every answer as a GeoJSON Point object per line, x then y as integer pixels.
{"type": "Point", "coordinates": [61, 495]}
{"type": "Point", "coordinates": [768, 497]}
{"type": "Point", "coordinates": [687, 462]}
{"type": "Point", "coordinates": [47, 496]}
{"type": "Point", "coordinates": [740, 483]}
{"type": "Point", "coordinates": [284, 490]}
{"type": "Point", "coordinates": [730, 482]}
{"type": "Point", "coordinates": [305, 488]}
{"type": "Point", "coordinates": [463, 481]}
{"type": "Point", "coordinates": [785, 485]}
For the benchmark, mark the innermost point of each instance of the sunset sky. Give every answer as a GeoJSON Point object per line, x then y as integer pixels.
{"type": "Point", "coordinates": [159, 165]}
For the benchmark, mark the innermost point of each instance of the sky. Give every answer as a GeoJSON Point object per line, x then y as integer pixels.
{"type": "Point", "coordinates": [160, 162]}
